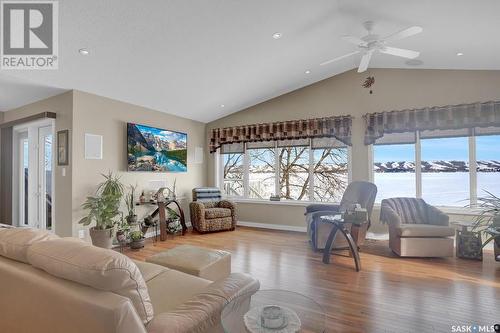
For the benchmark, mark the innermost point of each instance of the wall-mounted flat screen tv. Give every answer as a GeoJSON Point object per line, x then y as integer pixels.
{"type": "Point", "coordinates": [154, 149]}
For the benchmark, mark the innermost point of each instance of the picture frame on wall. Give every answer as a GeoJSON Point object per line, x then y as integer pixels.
{"type": "Point", "coordinates": [63, 147]}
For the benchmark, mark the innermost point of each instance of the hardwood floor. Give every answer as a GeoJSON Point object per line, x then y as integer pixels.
{"type": "Point", "coordinates": [389, 294]}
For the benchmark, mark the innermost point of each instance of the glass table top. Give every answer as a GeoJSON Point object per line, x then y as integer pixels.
{"type": "Point", "coordinates": [303, 314]}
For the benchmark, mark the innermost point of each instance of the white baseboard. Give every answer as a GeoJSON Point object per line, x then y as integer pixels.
{"type": "Point", "coordinates": [271, 226]}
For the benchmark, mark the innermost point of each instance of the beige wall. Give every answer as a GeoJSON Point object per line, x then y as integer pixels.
{"type": "Point", "coordinates": [103, 116]}
{"type": "Point", "coordinates": [62, 105]}
{"type": "Point", "coordinates": [394, 89]}
{"type": "Point", "coordinates": [82, 113]}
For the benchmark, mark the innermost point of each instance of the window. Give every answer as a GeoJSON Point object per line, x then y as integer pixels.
{"type": "Point", "coordinates": [294, 173]}
{"type": "Point", "coordinates": [261, 174]}
{"type": "Point", "coordinates": [445, 168]}
{"type": "Point", "coordinates": [488, 165]}
{"type": "Point", "coordinates": [295, 170]}
{"type": "Point", "coordinates": [394, 164]}
{"type": "Point", "coordinates": [233, 174]}
{"type": "Point", "coordinates": [330, 173]}
{"type": "Point", "coordinates": [445, 171]}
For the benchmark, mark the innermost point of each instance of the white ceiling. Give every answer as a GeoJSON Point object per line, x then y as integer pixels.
{"type": "Point", "coordinates": [187, 57]}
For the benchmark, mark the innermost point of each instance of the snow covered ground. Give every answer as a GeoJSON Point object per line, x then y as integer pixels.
{"type": "Point", "coordinates": [438, 188]}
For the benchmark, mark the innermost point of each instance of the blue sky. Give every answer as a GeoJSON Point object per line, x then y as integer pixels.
{"type": "Point", "coordinates": [487, 148]}
{"type": "Point", "coordinates": [167, 135]}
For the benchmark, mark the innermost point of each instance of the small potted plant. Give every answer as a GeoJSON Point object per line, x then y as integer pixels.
{"type": "Point", "coordinates": [122, 229]}
{"type": "Point", "coordinates": [136, 240]}
{"type": "Point", "coordinates": [488, 221]}
{"type": "Point", "coordinates": [129, 202]}
{"type": "Point", "coordinates": [103, 209]}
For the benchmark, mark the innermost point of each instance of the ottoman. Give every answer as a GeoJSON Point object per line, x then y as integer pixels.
{"type": "Point", "coordinates": [206, 263]}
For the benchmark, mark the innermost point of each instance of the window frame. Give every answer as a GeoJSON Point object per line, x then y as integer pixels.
{"type": "Point", "coordinates": [277, 151]}
{"type": "Point", "coordinates": [473, 196]}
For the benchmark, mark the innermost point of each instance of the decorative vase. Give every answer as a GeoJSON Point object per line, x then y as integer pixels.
{"type": "Point", "coordinates": [137, 244]}
{"type": "Point", "coordinates": [469, 245]}
{"type": "Point", "coordinates": [102, 237]}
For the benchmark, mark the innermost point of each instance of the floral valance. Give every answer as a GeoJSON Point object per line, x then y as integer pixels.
{"type": "Point", "coordinates": [338, 127]}
{"type": "Point", "coordinates": [452, 117]}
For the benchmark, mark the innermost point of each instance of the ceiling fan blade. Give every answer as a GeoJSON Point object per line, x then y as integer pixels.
{"type": "Point", "coordinates": [365, 61]}
{"type": "Point", "coordinates": [339, 58]}
{"type": "Point", "coordinates": [410, 54]}
{"type": "Point", "coordinates": [404, 33]}
{"type": "Point", "coordinates": [354, 40]}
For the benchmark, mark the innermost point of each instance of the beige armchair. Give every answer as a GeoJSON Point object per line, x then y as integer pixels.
{"type": "Point", "coordinates": [209, 213]}
{"type": "Point", "coordinates": [417, 229]}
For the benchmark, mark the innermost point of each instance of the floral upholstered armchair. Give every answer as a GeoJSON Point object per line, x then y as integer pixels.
{"type": "Point", "coordinates": [209, 212]}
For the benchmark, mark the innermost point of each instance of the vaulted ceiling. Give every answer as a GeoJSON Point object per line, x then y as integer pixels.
{"type": "Point", "coordinates": [189, 58]}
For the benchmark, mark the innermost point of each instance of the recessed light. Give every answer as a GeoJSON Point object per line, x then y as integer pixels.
{"type": "Point", "coordinates": [308, 72]}
{"type": "Point", "coordinates": [277, 35]}
{"type": "Point", "coordinates": [222, 105]}
{"type": "Point", "coordinates": [84, 51]}
{"type": "Point", "coordinates": [459, 54]}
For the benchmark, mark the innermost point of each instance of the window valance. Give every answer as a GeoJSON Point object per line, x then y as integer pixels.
{"type": "Point", "coordinates": [395, 126]}
{"type": "Point", "coordinates": [337, 127]}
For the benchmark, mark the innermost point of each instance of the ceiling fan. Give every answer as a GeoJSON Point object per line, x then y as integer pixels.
{"type": "Point", "coordinates": [370, 43]}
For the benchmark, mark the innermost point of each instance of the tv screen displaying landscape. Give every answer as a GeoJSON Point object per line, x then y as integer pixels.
{"type": "Point", "coordinates": [154, 149]}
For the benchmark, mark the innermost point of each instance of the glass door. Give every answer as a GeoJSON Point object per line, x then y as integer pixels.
{"type": "Point", "coordinates": [45, 175]}
{"type": "Point", "coordinates": [33, 175]}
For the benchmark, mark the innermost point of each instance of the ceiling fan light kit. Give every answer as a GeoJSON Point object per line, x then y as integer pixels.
{"type": "Point", "coordinates": [368, 44]}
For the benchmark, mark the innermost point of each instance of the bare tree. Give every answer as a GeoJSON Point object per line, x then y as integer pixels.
{"type": "Point", "coordinates": [233, 174]}
{"type": "Point", "coordinates": [329, 172]}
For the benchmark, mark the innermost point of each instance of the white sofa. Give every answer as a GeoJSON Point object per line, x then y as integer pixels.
{"type": "Point", "coordinates": [81, 288]}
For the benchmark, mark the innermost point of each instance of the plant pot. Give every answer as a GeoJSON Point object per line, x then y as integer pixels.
{"type": "Point", "coordinates": [132, 219]}
{"type": "Point", "coordinates": [121, 237]}
{"type": "Point", "coordinates": [138, 244]}
{"type": "Point", "coordinates": [469, 245]}
{"type": "Point", "coordinates": [102, 238]}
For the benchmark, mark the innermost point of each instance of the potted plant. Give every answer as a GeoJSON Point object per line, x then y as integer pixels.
{"type": "Point", "coordinates": [173, 221]}
{"type": "Point", "coordinates": [488, 221]}
{"type": "Point", "coordinates": [103, 209]}
{"type": "Point", "coordinates": [136, 240]}
{"type": "Point", "coordinates": [122, 229]}
{"type": "Point", "coordinates": [129, 202]}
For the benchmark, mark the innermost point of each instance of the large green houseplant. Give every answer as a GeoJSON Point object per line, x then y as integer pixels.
{"type": "Point", "coordinates": [103, 209]}
{"type": "Point", "coordinates": [488, 221]}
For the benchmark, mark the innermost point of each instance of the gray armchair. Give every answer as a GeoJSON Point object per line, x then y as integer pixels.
{"type": "Point", "coordinates": [358, 192]}
{"type": "Point", "coordinates": [417, 229]}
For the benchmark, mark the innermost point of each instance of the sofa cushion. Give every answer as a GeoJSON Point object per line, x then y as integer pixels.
{"type": "Point", "coordinates": [172, 288]}
{"type": "Point", "coordinates": [149, 271]}
{"type": "Point", "coordinates": [215, 213]}
{"type": "Point", "coordinates": [104, 269]}
{"type": "Point", "coordinates": [206, 263]}
{"type": "Point", "coordinates": [14, 242]}
{"type": "Point", "coordinates": [424, 230]}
